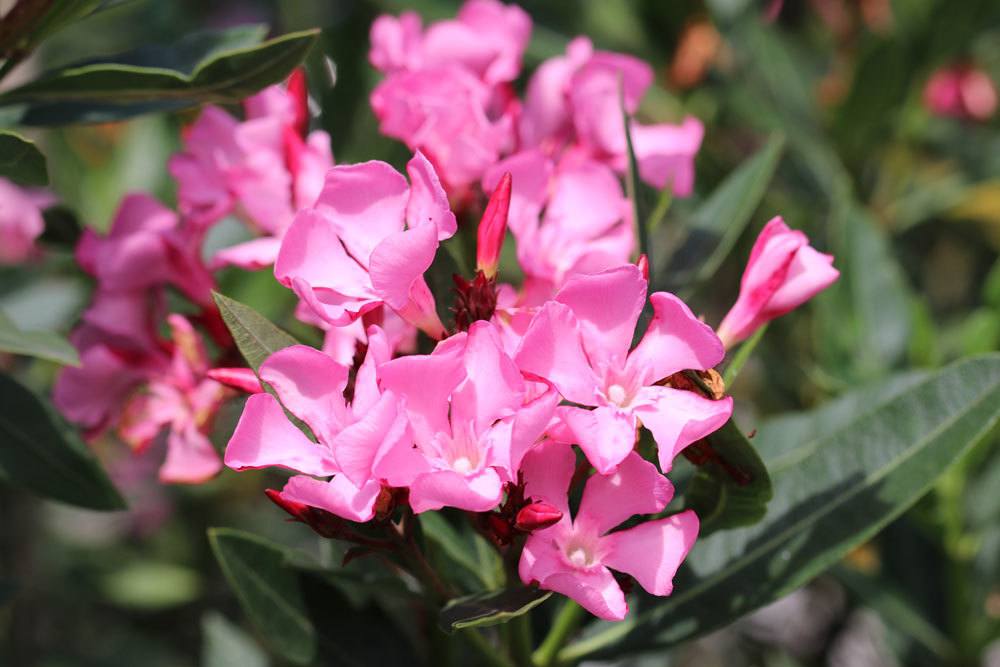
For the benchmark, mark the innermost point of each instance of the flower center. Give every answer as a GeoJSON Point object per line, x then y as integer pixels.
{"type": "Point", "coordinates": [617, 394]}
{"type": "Point", "coordinates": [579, 557]}
{"type": "Point", "coordinates": [462, 465]}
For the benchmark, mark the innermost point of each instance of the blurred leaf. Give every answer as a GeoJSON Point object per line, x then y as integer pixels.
{"type": "Point", "coordinates": [21, 161]}
{"type": "Point", "coordinates": [461, 549]}
{"type": "Point", "coordinates": [256, 337]}
{"type": "Point", "coordinates": [38, 20]}
{"type": "Point", "coordinates": [732, 488]}
{"type": "Point", "coordinates": [268, 590]}
{"type": "Point", "coordinates": [717, 224]}
{"type": "Point", "coordinates": [151, 585]}
{"type": "Point", "coordinates": [848, 486]}
{"type": "Point", "coordinates": [62, 228]}
{"type": "Point", "coordinates": [204, 67]}
{"type": "Point", "coordinates": [41, 344]}
{"type": "Point", "coordinates": [896, 611]}
{"type": "Point", "coordinates": [982, 497]}
{"type": "Point", "coordinates": [490, 608]}
{"type": "Point", "coordinates": [224, 644]}
{"type": "Point", "coordinates": [643, 197]}
{"type": "Point", "coordinates": [39, 452]}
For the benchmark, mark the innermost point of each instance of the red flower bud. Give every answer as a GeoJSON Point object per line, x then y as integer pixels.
{"type": "Point", "coordinates": [537, 516]}
{"type": "Point", "coordinates": [492, 228]}
{"type": "Point", "coordinates": [643, 264]}
{"type": "Point", "coordinates": [322, 522]}
{"type": "Point", "coordinates": [296, 87]}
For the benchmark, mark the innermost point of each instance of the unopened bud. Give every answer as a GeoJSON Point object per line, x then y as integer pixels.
{"type": "Point", "coordinates": [493, 227]}
{"type": "Point", "coordinates": [537, 516]}
{"type": "Point", "coordinates": [299, 93]}
{"type": "Point", "coordinates": [643, 264]}
{"type": "Point", "coordinates": [322, 522]}
{"type": "Point", "coordinates": [243, 379]}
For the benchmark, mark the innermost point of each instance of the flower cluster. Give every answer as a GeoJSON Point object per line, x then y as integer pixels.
{"type": "Point", "coordinates": [525, 396]}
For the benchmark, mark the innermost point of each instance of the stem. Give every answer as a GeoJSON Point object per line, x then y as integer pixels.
{"type": "Point", "coordinates": [564, 625]}
{"type": "Point", "coordinates": [491, 654]}
{"type": "Point", "coordinates": [520, 639]}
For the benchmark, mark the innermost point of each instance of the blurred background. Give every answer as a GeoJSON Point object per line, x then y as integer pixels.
{"type": "Point", "coordinates": [886, 110]}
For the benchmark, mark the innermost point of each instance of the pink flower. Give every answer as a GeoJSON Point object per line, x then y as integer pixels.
{"type": "Point", "coordinates": [449, 115]}
{"type": "Point", "coordinates": [21, 223]}
{"type": "Point", "coordinates": [185, 400]}
{"type": "Point", "coordinates": [580, 343]}
{"type": "Point", "coordinates": [567, 219]}
{"type": "Point", "coordinates": [493, 228]}
{"type": "Point", "coordinates": [783, 272]}
{"type": "Point", "coordinates": [367, 242]}
{"type": "Point", "coordinates": [465, 406]}
{"type": "Point", "coordinates": [359, 445]}
{"type": "Point", "coordinates": [577, 98]}
{"type": "Point", "coordinates": [961, 91]}
{"type": "Point", "coordinates": [487, 39]}
{"type": "Point", "coordinates": [575, 556]}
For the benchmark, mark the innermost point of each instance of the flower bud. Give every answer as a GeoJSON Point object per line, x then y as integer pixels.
{"type": "Point", "coordinates": [537, 516]}
{"type": "Point", "coordinates": [243, 379]}
{"type": "Point", "coordinates": [643, 264]}
{"type": "Point", "coordinates": [297, 90]}
{"type": "Point", "coordinates": [322, 522]}
{"type": "Point", "coordinates": [492, 228]}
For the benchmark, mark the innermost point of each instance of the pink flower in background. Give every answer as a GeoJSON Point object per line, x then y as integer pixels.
{"type": "Point", "coordinates": [576, 100]}
{"type": "Point", "coordinates": [359, 444]}
{"type": "Point", "coordinates": [367, 241]}
{"type": "Point", "coordinates": [182, 398]}
{"type": "Point", "coordinates": [580, 343]}
{"type": "Point", "coordinates": [568, 218]}
{"type": "Point", "coordinates": [961, 91]}
{"type": "Point", "coordinates": [575, 556]}
{"type": "Point", "coordinates": [21, 222]}
{"type": "Point", "coordinates": [487, 39]}
{"type": "Point", "coordinates": [783, 272]}
{"type": "Point", "coordinates": [465, 406]}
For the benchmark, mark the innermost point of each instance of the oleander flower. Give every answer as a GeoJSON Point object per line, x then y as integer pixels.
{"type": "Point", "coordinates": [21, 222]}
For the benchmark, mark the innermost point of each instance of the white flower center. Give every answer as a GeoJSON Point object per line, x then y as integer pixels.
{"type": "Point", "coordinates": [579, 557]}
{"type": "Point", "coordinates": [617, 394]}
{"type": "Point", "coordinates": [462, 465]}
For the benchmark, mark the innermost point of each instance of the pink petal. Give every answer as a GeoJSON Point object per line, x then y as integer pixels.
{"type": "Point", "coordinates": [548, 470]}
{"type": "Point", "coordinates": [337, 496]}
{"type": "Point", "coordinates": [400, 259]}
{"type": "Point", "coordinates": [90, 394]}
{"type": "Point", "coordinates": [606, 435]}
{"type": "Point", "coordinates": [191, 459]}
{"type": "Point", "coordinates": [264, 437]}
{"type": "Point", "coordinates": [493, 387]}
{"type": "Point", "coordinates": [595, 590]}
{"type": "Point", "coordinates": [311, 386]}
{"type": "Point", "coordinates": [810, 273]}
{"type": "Point", "coordinates": [428, 203]}
{"type": "Point", "coordinates": [666, 154]}
{"type": "Point", "coordinates": [530, 173]}
{"type": "Point", "coordinates": [546, 112]}
{"type": "Point", "coordinates": [676, 418]}
{"type": "Point", "coordinates": [552, 348]}
{"type": "Point", "coordinates": [529, 426]}
{"type": "Point", "coordinates": [652, 551]}
{"type": "Point", "coordinates": [356, 447]}
{"type": "Point", "coordinates": [675, 340]}
{"type": "Point", "coordinates": [479, 492]}
{"type": "Point", "coordinates": [587, 198]}
{"type": "Point", "coordinates": [607, 306]}
{"type": "Point", "coordinates": [251, 255]}
{"type": "Point", "coordinates": [636, 487]}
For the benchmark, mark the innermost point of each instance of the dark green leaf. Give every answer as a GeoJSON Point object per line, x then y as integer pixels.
{"type": "Point", "coordinates": [256, 337]}
{"type": "Point", "coordinates": [643, 197]}
{"type": "Point", "coordinates": [462, 549]}
{"type": "Point", "coordinates": [41, 344]}
{"type": "Point", "coordinates": [850, 485]}
{"type": "Point", "coordinates": [267, 587]}
{"type": "Point", "coordinates": [39, 452]}
{"type": "Point", "coordinates": [21, 161]}
{"type": "Point", "coordinates": [224, 644]}
{"type": "Point", "coordinates": [62, 228]}
{"type": "Point", "coordinates": [205, 67]}
{"type": "Point", "coordinates": [490, 608]}
{"type": "Point", "coordinates": [732, 487]}
{"type": "Point", "coordinates": [718, 222]}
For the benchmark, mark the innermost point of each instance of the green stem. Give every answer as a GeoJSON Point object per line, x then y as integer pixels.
{"type": "Point", "coordinates": [520, 640]}
{"type": "Point", "coordinates": [564, 625]}
{"type": "Point", "coordinates": [490, 653]}
{"type": "Point", "coordinates": [741, 356]}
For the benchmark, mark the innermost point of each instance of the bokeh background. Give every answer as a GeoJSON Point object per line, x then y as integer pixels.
{"type": "Point", "coordinates": [907, 199]}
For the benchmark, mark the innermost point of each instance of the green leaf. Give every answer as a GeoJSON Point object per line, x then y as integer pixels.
{"type": "Point", "coordinates": [256, 337]}
{"type": "Point", "coordinates": [21, 161]}
{"type": "Point", "coordinates": [39, 452]}
{"type": "Point", "coordinates": [224, 644]}
{"type": "Point", "coordinates": [462, 549]}
{"type": "Point", "coordinates": [204, 67]}
{"type": "Point", "coordinates": [267, 587]}
{"type": "Point", "coordinates": [151, 585]}
{"type": "Point", "coordinates": [851, 484]}
{"type": "Point", "coordinates": [490, 608]}
{"type": "Point", "coordinates": [717, 223]}
{"type": "Point", "coordinates": [643, 197]}
{"type": "Point", "coordinates": [41, 344]}
{"type": "Point", "coordinates": [732, 487]}
{"type": "Point", "coordinates": [743, 353]}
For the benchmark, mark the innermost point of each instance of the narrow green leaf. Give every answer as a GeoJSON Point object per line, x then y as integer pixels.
{"type": "Point", "coordinates": [490, 608]}
{"type": "Point", "coordinates": [41, 344]}
{"type": "Point", "coordinates": [640, 194]}
{"type": "Point", "coordinates": [267, 587]}
{"type": "Point", "coordinates": [21, 161]}
{"type": "Point", "coordinates": [256, 337]}
{"type": "Point", "coordinates": [41, 453]}
{"type": "Point", "coordinates": [854, 482]}
{"type": "Point", "coordinates": [461, 549]}
{"type": "Point", "coordinates": [205, 67]}
{"type": "Point", "coordinates": [716, 225]}
{"type": "Point", "coordinates": [224, 644]}
{"type": "Point", "coordinates": [741, 357]}
{"type": "Point", "coordinates": [732, 487]}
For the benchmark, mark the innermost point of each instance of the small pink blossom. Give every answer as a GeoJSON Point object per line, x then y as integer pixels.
{"type": "Point", "coordinates": [471, 427]}
{"type": "Point", "coordinates": [21, 223]}
{"type": "Point", "coordinates": [493, 228]}
{"type": "Point", "coordinates": [576, 555]}
{"type": "Point", "coordinates": [783, 272]}
{"type": "Point", "coordinates": [367, 242]}
{"type": "Point", "coordinates": [579, 342]}
{"type": "Point", "coordinates": [961, 91]}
